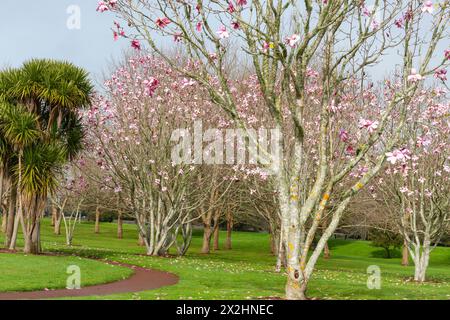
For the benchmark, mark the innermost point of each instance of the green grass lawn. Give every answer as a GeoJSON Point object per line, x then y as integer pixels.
{"type": "Point", "coordinates": [19, 272]}
{"type": "Point", "coordinates": [245, 272]}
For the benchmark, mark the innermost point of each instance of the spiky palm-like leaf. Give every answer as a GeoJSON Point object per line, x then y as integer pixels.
{"type": "Point", "coordinates": [18, 126]}
{"type": "Point", "coordinates": [56, 83]}
{"type": "Point", "coordinates": [41, 166]}
{"type": "Point", "coordinates": [73, 136]}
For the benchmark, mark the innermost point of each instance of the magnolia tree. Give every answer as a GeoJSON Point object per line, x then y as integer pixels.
{"type": "Point", "coordinates": [417, 180]}
{"type": "Point", "coordinates": [282, 42]}
{"type": "Point", "coordinates": [131, 133]}
{"type": "Point", "coordinates": [142, 134]}
{"type": "Point", "coordinates": [67, 201]}
{"type": "Point", "coordinates": [97, 196]}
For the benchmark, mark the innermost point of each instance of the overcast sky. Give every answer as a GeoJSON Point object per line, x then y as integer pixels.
{"type": "Point", "coordinates": [38, 29]}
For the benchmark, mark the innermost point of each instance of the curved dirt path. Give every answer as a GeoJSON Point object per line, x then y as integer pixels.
{"type": "Point", "coordinates": [142, 279]}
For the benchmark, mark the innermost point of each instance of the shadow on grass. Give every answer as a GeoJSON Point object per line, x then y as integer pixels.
{"type": "Point", "coordinates": [382, 254]}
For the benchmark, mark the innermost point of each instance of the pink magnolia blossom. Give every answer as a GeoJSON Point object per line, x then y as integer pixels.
{"type": "Point", "coordinates": [447, 54]}
{"type": "Point", "coordinates": [350, 150]}
{"type": "Point", "coordinates": [292, 40]}
{"type": "Point", "coordinates": [370, 125]}
{"type": "Point", "coordinates": [366, 11]}
{"type": "Point", "coordinates": [150, 86]}
{"type": "Point", "coordinates": [231, 7]}
{"type": "Point", "coordinates": [399, 23]}
{"type": "Point", "coordinates": [428, 7]}
{"type": "Point", "coordinates": [398, 155]}
{"type": "Point", "coordinates": [213, 56]}
{"type": "Point", "coordinates": [241, 2]}
{"type": "Point", "coordinates": [102, 6]}
{"type": "Point", "coordinates": [311, 73]}
{"type": "Point", "coordinates": [118, 32]}
{"type": "Point", "coordinates": [135, 44]}
{"type": "Point", "coordinates": [403, 189]}
{"type": "Point", "coordinates": [235, 25]}
{"type": "Point", "coordinates": [414, 76]}
{"type": "Point", "coordinates": [423, 141]}
{"type": "Point", "coordinates": [266, 47]}
{"type": "Point", "coordinates": [162, 22]}
{"type": "Point", "coordinates": [198, 27]}
{"type": "Point", "coordinates": [441, 74]}
{"type": "Point", "coordinates": [408, 15]}
{"type": "Point", "coordinates": [375, 24]}
{"type": "Point", "coordinates": [112, 3]}
{"type": "Point", "coordinates": [343, 135]}
{"type": "Point", "coordinates": [223, 33]}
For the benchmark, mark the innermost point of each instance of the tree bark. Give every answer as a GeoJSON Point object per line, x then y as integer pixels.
{"type": "Point", "coordinates": [216, 231]}
{"type": "Point", "coordinates": [141, 241]}
{"type": "Point", "coordinates": [3, 204]}
{"type": "Point", "coordinates": [58, 218]}
{"type": "Point", "coordinates": [206, 238]}
{"type": "Point", "coordinates": [97, 220]}
{"type": "Point", "coordinates": [119, 225]}
{"type": "Point", "coordinates": [326, 251]}
{"type": "Point", "coordinates": [405, 255]}
{"type": "Point", "coordinates": [273, 241]}
{"type": "Point", "coordinates": [295, 291]}
{"type": "Point", "coordinates": [17, 218]}
{"type": "Point", "coordinates": [11, 216]}
{"type": "Point", "coordinates": [32, 242]}
{"type": "Point", "coordinates": [421, 260]}
{"type": "Point", "coordinates": [229, 230]}
{"type": "Point", "coordinates": [54, 215]}
{"type": "Point", "coordinates": [296, 284]}
{"type": "Point", "coordinates": [4, 221]}
{"type": "Point", "coordinates": [216, 238]}
{"type": "Point", "coordinates": [281, 257]}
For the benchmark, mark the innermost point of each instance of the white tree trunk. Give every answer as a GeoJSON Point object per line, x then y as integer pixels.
{"type": "Point", "coordinates": [421, 260]}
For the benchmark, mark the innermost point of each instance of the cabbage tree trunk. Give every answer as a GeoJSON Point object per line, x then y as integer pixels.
{"type": "Point", "coordinates": [4, 221]}
{"type": "Point", "coordinates": [33, 240]}
{"type": "Point", "coordinates": [10, 217]}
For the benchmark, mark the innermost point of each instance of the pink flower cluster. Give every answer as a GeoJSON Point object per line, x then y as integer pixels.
{"type": "Point", "coordinates": [414, 76]}
{"type": "Point", "coordinates": [370, 125]}
{"type": "Point", "coordinates": [400, 155]}
{"type": "Point", "coordinates": [222, 32]}
{"type": "Point", "coordinates": [292, 40]}
{"type": "Point", "coordinates": [162, 22]}
{"type": "Point", "coordinates": [150, 86]}
{"type": "Point", "coordinates": [103, 6]}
